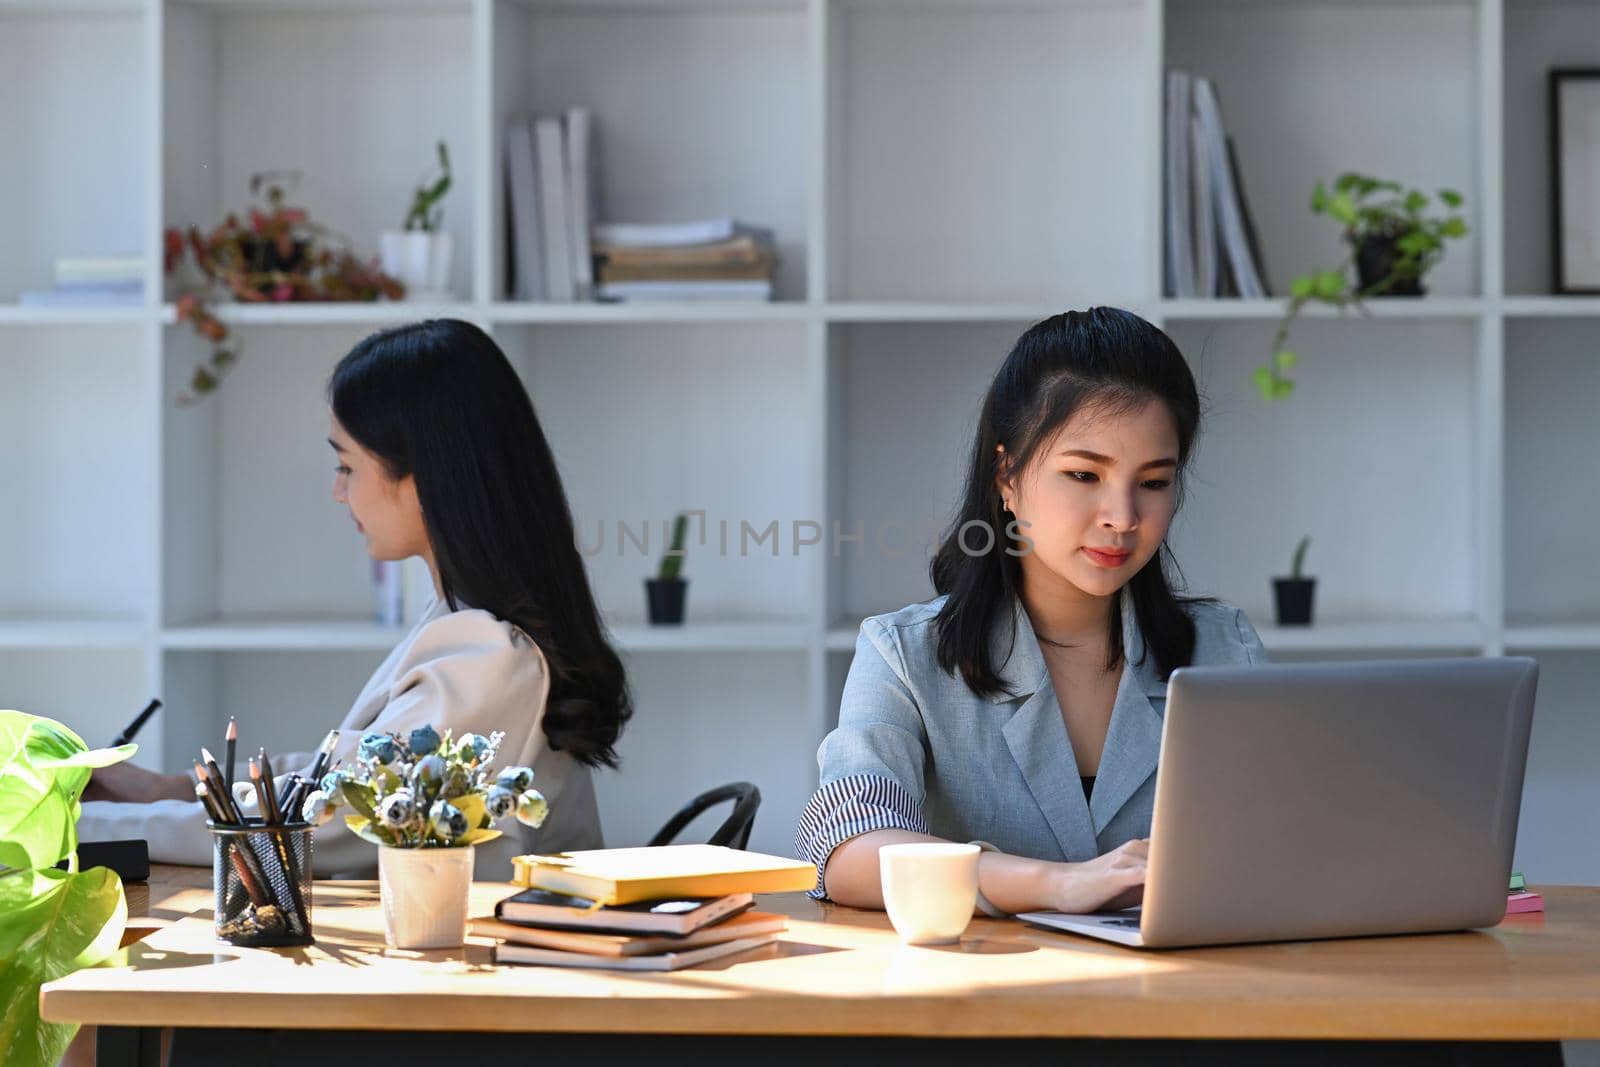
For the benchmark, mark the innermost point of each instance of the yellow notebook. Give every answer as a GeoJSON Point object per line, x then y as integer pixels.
{"type": "Point", "coordinates": [626, 875]}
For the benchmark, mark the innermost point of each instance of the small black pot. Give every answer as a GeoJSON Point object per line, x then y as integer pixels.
{"type": "Point", "coordinates": [1294, 596]}
{"type": "Point", "coordinates": [665, 598]}
{"type": "Point", "coordinates": [1374, 256]}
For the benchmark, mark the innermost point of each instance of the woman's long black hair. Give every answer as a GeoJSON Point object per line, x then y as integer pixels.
{"type": "Point", "coordinates": [1105, 357]}
{"type": "Point", "coordinates": [438, 400]}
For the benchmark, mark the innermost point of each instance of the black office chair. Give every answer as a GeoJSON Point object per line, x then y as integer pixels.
{"type": "Point", "coordinates": [735, 829]}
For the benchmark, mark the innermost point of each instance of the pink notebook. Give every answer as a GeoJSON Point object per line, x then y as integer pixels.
{"type": "Point", "coordinates": [1518, 903]}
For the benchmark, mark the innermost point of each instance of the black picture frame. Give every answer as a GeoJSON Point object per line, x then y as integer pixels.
{"type": "Point", "coordinates": [1583, 276]}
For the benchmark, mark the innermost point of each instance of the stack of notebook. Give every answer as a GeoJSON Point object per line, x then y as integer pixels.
{"type": "Point", "coordinates": [714, 259]}
{"type": "Point", "coordinates": [1520, 900]}
{"type": "Point", "coordinates": [640, 909]}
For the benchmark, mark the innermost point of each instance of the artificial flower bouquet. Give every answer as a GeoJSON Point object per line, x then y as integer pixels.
{"type": "Point", "coordinates": [427, 790]}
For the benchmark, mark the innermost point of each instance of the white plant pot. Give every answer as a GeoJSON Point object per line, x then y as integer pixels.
{"type": "Point", "coordinates": [421, 261]}
{"type": "Point", "coordinates": [424, 893]}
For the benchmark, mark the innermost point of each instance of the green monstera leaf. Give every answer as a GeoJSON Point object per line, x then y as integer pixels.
{"type": "Point", "coordinates": [51, 924]}
{"type": "Point", "coordinates": [43, 770]}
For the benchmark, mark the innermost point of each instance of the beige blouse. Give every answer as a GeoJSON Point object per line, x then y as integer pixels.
{"type": "Point", "coordinates": [462, 671]}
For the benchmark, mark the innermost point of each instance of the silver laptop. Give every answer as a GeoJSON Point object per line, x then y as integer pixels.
{"type": "Point", "coordinates": [1302, 801]}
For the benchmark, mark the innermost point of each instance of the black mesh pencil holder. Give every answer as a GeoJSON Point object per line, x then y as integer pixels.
{"type": "Point", "coordinates": [262, 877]}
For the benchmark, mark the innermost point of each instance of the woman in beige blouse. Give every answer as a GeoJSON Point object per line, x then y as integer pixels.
{"type": "Point", "coordinates": [440, 456]}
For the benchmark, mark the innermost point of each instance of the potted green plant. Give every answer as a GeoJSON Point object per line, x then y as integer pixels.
{"type": "Point", "coordinates": [425, 800]}
{"type": "Point", "coordinates": [666, 592]}
{"type": "Point", "coordinates": [419, 253]}
{"type": "Point", "coordinates": [52, 921]}
{"type": "Point", "coordinates": [1394, 241]}
{"type": "Point", "coordinates": [1294, 594]}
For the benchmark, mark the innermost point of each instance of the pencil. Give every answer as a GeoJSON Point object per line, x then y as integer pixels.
{"type": "Point", "coordinates": [232, 745]}
{"type": "Point", "coordinates": [281, 847]}
{"type": "Point", "coordinates": [219, 790]}
{"type": "Point", "coordinates": [241, 866]}
{"type": "Point", "coordinates": [278, 814]}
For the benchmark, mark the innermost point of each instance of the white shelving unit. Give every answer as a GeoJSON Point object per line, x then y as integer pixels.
{"type": "Point", "coordinates": [939, 175]}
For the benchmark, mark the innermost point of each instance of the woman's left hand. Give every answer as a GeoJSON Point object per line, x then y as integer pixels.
{"type": "Point", "coordinates": [134, 785]}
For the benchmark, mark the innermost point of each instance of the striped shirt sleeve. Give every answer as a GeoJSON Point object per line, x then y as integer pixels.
{"type": "Point", "coordinates": [850, 806]}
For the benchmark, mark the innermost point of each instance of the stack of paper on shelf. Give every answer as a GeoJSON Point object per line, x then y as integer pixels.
{"type": "Point", "coordinates": [550, 200]}
{"type": "Point", "coordinates": [1212, 248]}
{"type": "Point", "coordinates": [103, 281]}
{"type": "Point", "coordinates": [715, 259]}
{"type": "Point", "coordinates": [656, 909]}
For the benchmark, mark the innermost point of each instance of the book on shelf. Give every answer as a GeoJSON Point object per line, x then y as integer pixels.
{"type": "Point", "coordinates": [550, 155]}
{"type": "Point", "coordinates": [1228, 213]}
{"type": "Point", "coordinates": [750, 247]}
{"type": "Point", "coordinates": [657, 291]}
{"type": "Point", "coordinates": [1212, 245]}
{"type": "Point", "coordinates": [505, 952]}
{"type": "Point", "coordinates": [738, 266]}
{"type": "Point", "coordinates": [666, 234]}
{"type": "Point", "coordinates": [524, 243]}
{"type": "Point", "coordinates": [625, 875]}
{"type": "Point", "coordinates": [550, 199]}
{"type": "Point", "coordinates": [1179, 236]}
{"type": "Point", "coordinates": [71, 271]}
{"type": "Point", "coordinates": [747, 924]}
{"type": "Point", "coordinates": [747, 272]}
{"type": "Point", "coordinates": [669, 917]}
{"type": "Point", "coordinates": [84, 296]}
{"type": "Point", "coordinates": [581, 194]}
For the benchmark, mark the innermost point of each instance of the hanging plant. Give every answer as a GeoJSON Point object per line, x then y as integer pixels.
{"type": "Point", "coordinates": [276, 255]}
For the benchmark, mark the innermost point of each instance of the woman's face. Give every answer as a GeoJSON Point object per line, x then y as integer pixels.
{"type": "Point", "coordinates": [1096, 500]}
{"type": "Point", "coordinates": [384, 510]}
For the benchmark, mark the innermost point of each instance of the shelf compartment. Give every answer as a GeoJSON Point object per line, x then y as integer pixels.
{"type": "Point", "coordinates": [95, 693]}
{"type": "Point", "coordinates": [1372, 456]}
{"type": "Point", "coordinates": [903, 405]}
{"type": "Point", "coordinates": [957, 161]}
{"type": "Point", "coordinates": [75, 429]}
{"type": "Point", "coordinates": [73, 106]}
{"type": "Point", "coordinates": [649, 420]}
{"type": "Point", "coordinates": [699, 111]}
{"type": "Point", "coordinates": [351, 96]}
{"type": "Point", "coordinates": [251, 528]}
{"type": "Point", "coordinates": [1551, 381]}
{"type": "Point", "coordinates": [1274, 64]}
{"type": "Point", "coordinates": [1538, 35]}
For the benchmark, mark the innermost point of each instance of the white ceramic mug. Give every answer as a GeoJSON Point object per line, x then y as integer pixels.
{"type": "Point", "coordinates": [929, 889]}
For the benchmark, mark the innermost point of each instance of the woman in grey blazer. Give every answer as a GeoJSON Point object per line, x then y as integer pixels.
{"type": "Point", "coordinates": [1021, 708]}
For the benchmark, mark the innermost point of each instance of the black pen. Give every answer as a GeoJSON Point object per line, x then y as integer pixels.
{"type": "Point", "coordinates": [138, 721]}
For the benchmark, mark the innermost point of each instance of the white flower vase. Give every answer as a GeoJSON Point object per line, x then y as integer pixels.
{"type": "Point", "coordinates": [421, 261]}
{"type": "Point", "coordinates": [424, 893]}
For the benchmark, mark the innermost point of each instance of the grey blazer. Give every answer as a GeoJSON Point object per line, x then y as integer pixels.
{"type": "Point", "coordinates": [916, 749]}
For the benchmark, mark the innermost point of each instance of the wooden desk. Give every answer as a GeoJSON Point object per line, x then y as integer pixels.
{"type": "Point", "coordinates": [839, 971]}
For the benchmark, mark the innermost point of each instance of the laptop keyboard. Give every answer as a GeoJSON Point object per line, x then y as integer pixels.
{"type": "Point", "coordinates": [1120, 922]}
